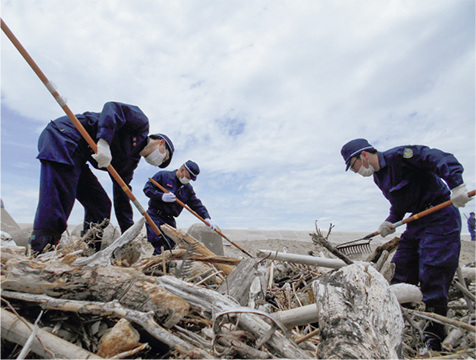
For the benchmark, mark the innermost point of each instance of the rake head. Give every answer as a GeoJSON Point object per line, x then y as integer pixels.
{"type": "Point", "coordinates": [187, 262]}
{"type": "Point", "coordinates": [355, 249]}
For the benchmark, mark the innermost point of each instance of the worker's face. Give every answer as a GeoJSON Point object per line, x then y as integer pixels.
{"type": "Point", "coordinates": [355, 163]}
{"type": "Point", "coordinates": [184, 173]}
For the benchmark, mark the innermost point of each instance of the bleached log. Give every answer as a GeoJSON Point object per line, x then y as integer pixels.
{"type": "Point", "coordinates": [299, 316]}
{"type": "Point", "coordinates": [144, 319]}
{"type": "Point", "coordinates": [176, 235]}
{"type": "Point", "coordinates": [51, 346]}
{"type": "Point", "coordinates": [406, 293]}
{"type": "Point", "coordinates": [211, 302]}
{"type": "Point", "coordinates": [301, 259]}
{"type": "Point", "coordinates": [103, 257]}
{"type": "Point", "coordinates": [97, 283]}
{"type": "Point", "coordinates": [469, 273]}
{"type": "Point", "coordinates": [238, 283]}
{"type": "Point", "coordinates": [359, 317]}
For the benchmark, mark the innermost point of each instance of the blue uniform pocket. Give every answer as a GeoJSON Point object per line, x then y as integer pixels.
{"type": "Point", "coordinates": [440, 247]}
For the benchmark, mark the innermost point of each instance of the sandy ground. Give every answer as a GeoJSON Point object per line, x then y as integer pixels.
{"type": "Point", "coordinates": [467, 255]}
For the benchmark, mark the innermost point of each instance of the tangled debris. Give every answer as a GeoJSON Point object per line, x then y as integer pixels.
{"type": "Point", "coordinates": [190, 303]}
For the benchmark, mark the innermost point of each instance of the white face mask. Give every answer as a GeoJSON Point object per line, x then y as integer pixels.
{"type": "Point", "coordinates": [365, 172]}
{"type": "Point", "coordinates": [156, 158]}
{"type": "Point", "coordinates": [184, 180]}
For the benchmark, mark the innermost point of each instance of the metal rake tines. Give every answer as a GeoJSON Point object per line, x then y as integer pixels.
{"type": "Point", "coordinates": [187, 262]}
{"type": "Point", "coordinates": [355, 249]}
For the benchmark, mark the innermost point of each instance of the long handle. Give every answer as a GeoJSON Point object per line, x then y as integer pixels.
{"type": "Point", "coordinates": [419, 215]}
{"type": "Point", "coordinates": [198, 216]}
{"type": "Point", "coordinates": [76, 122]}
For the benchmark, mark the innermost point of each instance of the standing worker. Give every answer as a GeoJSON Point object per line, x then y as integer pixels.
{"type": "Point", "coordinates": [410, 177]}
{"type": "Point", "coordinates": [163, 207]}
{"type": "Point", "coordinates": [471, 225]}
{"type": "Point", "coordinates": [121, 132]}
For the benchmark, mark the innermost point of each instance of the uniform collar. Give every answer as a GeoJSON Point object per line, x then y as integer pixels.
{"type": "Point", "coordinates": [381, 160]}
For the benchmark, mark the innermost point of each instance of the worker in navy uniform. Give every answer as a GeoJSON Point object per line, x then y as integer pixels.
{"type": "Point", "coordinates": [121, 132]}
{"type": "Point", "coordinates": [163, 207]}
{"type": "Point", "coordinates": [411, 178]}
{"type": "Point", "coordinates": [472, 225]}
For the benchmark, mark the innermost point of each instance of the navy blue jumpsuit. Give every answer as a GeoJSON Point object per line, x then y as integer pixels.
{"type": "Point", "coordinates": [410, 177]}
{"type": "Point", "coordinates": [166, 212]}
{"type": "Point", "coordinates": [66, 176]}
{"type": "Point", "coordinates": [472, 227]}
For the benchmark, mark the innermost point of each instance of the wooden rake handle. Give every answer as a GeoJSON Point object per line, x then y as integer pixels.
{"type": "Point", "coordinates": [199, 217]}
{"type": "Point", "coordinates": [59, 99]}
{"type": "Point", "coordinates": [419, 215]}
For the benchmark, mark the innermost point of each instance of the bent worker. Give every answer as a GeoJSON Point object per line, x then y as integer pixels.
{"type": "Point", "coordinates": [411, 178]}
{"type": "Point", "coordinates": [122, 135]}
{"type": "Point", "coordinates": [163, 207]}
{"type": "Point", "coordinates": [472, 225]}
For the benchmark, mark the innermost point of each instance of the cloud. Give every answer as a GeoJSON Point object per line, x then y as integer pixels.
{"type": "Point", "coordinates": [261, 94]}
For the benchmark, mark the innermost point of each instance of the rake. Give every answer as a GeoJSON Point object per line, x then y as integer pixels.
{"type": "Point", "coordinates": [362, 245]}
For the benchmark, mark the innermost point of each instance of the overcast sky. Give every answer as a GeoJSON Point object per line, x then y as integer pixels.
{"type": "Point", "coordinates": [262, 94]}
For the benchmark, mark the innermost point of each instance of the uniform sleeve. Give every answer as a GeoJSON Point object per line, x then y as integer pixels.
{"type": "Point", "coordinates": [152, 191]}
{"type": "Point", "coordinates": [445, 165]}
{"type": "Point", "coordinates": [196, 205]}
{"type": "Point", "coordinates": [115, 116]}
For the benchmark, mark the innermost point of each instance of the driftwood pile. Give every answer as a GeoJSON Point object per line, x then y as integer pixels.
{"type": "Point", "coordinates": [190, 303]}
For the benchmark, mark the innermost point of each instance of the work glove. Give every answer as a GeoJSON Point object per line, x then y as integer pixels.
{"type": "Point", "coordinates": [103, 156]}
{"type": "Point", "coordinates": [211, 225]}
{"type": "Point", "coordinates": [459, 196]}
{"type": "Point", "coordinates": [168, 197]}
{"type": "Point", "coordinates": [384, 229]}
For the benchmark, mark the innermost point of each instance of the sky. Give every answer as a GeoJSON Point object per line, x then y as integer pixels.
{"type": "Point", "coordinates": [261, 94]}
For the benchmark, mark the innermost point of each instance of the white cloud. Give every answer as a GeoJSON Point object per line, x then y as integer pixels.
{"type": "Point", "coordinates": [261, 94]}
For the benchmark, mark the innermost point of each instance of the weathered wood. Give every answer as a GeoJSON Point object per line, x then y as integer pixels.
{"type": "Point", "coordinates": [389, 246]}
{"type": "Point", "coordinates": [308, 314]}
{"type": "Point", "coordinates": [146, 320]}
{"type": "Point", "coordinates": [301, 259]}
{"type": "Point", "coordinates": [95, 283]}
{"type": "Point", "coordinates": [51, 346]}
{"type": "Point", "coordinates": [104, 257]}
{"type": "Point", "coordinates": [237, 284]}
{"type": "Point", "coordinates": [212, 302]}
{"type": "Point", "coordinates": [176, 235]}
{"type": "Point", "coordinates": [359, 316]}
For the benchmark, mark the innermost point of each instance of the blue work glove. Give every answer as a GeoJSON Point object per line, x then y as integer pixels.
{"type": "Point", "coordinates": [103, 156]}
{"type": "Point", "coordinates": [459, 196]}
{"type": "Point", "coordinates": [168, 197]}
{"type": "Point", "coordinates": [384, 229]}
{"type": "Point", "coordinates": [211, 225]}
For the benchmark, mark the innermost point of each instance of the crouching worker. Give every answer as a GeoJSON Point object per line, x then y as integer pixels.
{"type": "Point", "coordinates": [415, 178]}
{"type": "Point", "coordinates": [121, 132]}
{"type": "Point", "coordinates": [163, 207]}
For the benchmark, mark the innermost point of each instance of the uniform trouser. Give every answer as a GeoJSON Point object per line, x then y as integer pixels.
{"type": "Point", "coordinates": [60, 186]}
{"type": "Point", "coordinates": [472, 233]}
{"type": "Point", "coordinates": [158, 241]}
{"type": "Point", "coordinates": [428, 254]}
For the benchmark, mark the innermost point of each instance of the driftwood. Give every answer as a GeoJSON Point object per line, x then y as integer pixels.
{"type": "Point", "coordinates": [212, 302]}
{"type": "Point", "coordinates": [95, 283]}
{"type": "Point", "coordinates": [238, 283]}
{"type": "Point", "coordinates": [146, 320]}
{"type": "Point", "coordinates": [104, 257]}
{"type": "Point", "coordinates": [301, 259]}
{"type": "Point", "coordinates": [177, 236]}
{"type": "Point", "coordinates": [18, 331]}
{"type": "Point", "coordinates": [359, 317]}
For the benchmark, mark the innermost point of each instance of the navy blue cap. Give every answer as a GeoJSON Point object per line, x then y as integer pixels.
{"type": "Point", "coordinates": [170, 147]}
{"type": "Point", "coordinates": [192, 168]}
{"type": "Point", "coordinates": [354, 148]}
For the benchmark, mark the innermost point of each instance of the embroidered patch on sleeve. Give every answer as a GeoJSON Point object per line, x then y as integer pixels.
{"type": "Point", "coordinates": [407, 153]}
